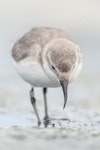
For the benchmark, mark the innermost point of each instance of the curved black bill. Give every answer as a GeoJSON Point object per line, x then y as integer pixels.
{"type": "Point", "coordinates": [64, 84]}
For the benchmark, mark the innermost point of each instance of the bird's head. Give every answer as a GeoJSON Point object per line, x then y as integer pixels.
{"type": "Point", "coordinates": [61, 55]}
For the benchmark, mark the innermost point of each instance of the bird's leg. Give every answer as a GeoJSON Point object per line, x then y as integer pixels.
{"type": "Point", "coordinates": [33, 102]}
{"type": "Point", "coordinates": [46, 118]}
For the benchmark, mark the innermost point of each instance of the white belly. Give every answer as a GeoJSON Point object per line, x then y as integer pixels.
{"type": "Point", "coordinates": [33, 73]}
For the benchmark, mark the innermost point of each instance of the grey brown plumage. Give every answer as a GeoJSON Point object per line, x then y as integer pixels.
{"type": "Point", "coordinates": [35, 39]}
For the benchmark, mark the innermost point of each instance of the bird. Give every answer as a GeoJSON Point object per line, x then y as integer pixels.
{"type": "Point", "coordinates": [47, 57]}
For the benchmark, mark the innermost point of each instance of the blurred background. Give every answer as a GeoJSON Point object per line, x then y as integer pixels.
{"type": "Point", "coordinates": [80, 19]}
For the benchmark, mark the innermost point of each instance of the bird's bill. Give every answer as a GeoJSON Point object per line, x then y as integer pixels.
{"type": "Point", "coordinates": [64, 84]}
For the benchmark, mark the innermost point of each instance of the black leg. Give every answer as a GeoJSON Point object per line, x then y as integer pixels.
{"type": "Point", "coordinates": [46, 118]}
{"type": "Point", "coordinates": [33, 101]}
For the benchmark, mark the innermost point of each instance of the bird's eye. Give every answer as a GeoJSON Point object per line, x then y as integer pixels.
{"type": "Point", "coordinates": [53, 68]}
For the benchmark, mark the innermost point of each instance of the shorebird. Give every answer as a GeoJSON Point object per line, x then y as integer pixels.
{"type": "Point", "coordinates": [46, 57]}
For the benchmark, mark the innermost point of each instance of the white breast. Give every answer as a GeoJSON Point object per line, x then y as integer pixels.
{"type": "Point", "coordinates": [33, 73]}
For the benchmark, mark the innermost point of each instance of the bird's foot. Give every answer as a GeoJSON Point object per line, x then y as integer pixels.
{"type": "Point", "coordinates": [39, 123]}
{"type": "Point", "coordinates": [46, 121]}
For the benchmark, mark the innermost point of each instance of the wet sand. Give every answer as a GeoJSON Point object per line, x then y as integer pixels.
{"type": "Point", "coordinates": [73, 128]}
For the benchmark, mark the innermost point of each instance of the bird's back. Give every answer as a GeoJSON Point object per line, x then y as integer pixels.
{"type": "Point", "coordinates": [34, 41]}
